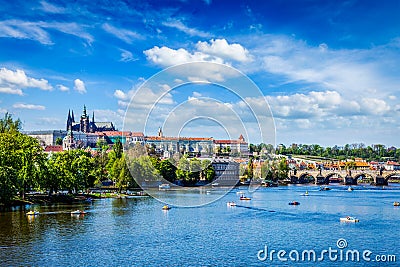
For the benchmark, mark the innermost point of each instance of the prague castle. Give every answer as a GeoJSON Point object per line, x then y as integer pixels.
{"type": "Point", "coordinates": [85, 125]}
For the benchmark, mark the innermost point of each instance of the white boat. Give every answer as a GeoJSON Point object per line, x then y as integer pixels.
{"type": "Point", "coordinates": [164, 186]}
{"type": "Point", "coordinates": [350, 189]}
{"type": "Point", "coordinates": [240, 193]}
{"type": "Point", "coordinates": [349, 219]}
{"type": "Point", "coordinates": [231, 204]}
{"type": "Point", "coordinates": [305, 194]}
{"type": "Point", "coordinates": [215, 184]}
{"type": "Point", "coordinates": [78, 212]}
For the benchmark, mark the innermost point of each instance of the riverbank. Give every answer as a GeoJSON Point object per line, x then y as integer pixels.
{"type": "Point", "coordinates": [45, 199]}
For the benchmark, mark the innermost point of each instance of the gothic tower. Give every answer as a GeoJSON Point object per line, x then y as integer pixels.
{"type": "Point", "coordinates": [69, 121]}
{"type": "Point", "coordinates": [84, 122]}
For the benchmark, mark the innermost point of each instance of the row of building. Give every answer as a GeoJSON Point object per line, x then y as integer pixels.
{"type": "Point", "coordinates": [86, 133]}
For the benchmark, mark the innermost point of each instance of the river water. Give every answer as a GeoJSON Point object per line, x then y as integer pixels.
{"type": "Point", "coordinates": [137, 232]}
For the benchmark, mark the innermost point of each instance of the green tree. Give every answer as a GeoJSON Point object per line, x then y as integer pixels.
{"type": "Point", "coordinates": [59, 141]}
{"type": "Point", "coordinates": [117, 148]}
{"type": "Point", "coordinates": [283, 169]}
{"type": "Point", "coordinates": [9, 125]}
{"type": "Point", "coordinates": [167, 170]}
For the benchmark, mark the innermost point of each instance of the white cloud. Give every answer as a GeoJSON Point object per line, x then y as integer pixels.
{"type": "Point", "coordinates": [218, 51]}
{"type": "Point", "coordinates": [165, 56]}
{"type": "Point", "coordinates": [12, 82]}
{"type": "Point", "coordinates": [37, 31]}
{"type": "Point", "coordinates": [62, 88]}
{"type": "Point", "coordinates": [374, 106]}
{"type": "Point", "coordinates": [51, 8]}
{"type": "Point", "coordinates": [127, 56]}
{"type": "Point", "coordinates": [176, 24]}
{"type": "Point", "coordinates": [221, 48]}
{"type": "Point", "coordinates": [104, 115]}
{"type": "Point", "coordinates": [28, 106]}
{"type": "Point", "coordinates": [79, 86]}
{"type": "Point", "coordinates": [350, 72]}
{"type": "Point", "coordinates": [123, 34]}
{"type": "Point", "coordinates": [8, 90]}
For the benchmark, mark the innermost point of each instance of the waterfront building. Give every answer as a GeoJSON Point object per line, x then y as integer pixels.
{"type": "Point", "coordinates": [235, 147]}
{"type": "Point", "coordinates": [226, 171]}
{"type": "Point", "coordinates": [392, 166]}
{"type": "Point", "coordinates": [167, 146]}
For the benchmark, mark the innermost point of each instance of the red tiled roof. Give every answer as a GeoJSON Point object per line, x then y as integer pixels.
{"type": "Point", "coordinates": [53, 149]}
{"type": "Point", "coordinates": [229, 142]}
{"type": "Point", "coordinates": [167, 138]}
{"type": "Point", "coordinates": [120, 133]}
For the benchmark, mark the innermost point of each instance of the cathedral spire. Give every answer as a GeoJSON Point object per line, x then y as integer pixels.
{"type": "Point", "coordinates": [93, 117]}
{"type": "Point", "coordinates": [72, 116]}
{"type": "Point", "coordinates": [84, 111]}
{"type": "Point", "coordinates": [69, 122]}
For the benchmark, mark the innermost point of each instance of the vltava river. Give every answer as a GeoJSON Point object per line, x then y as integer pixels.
{"type": "Point", "coordinates": [136, 232]}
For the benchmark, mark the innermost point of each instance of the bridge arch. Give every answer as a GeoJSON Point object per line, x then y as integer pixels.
{"type": "Point", "coordinates": [307, 177]}
{"type": "Point", "coordinates": [334, 177]}
{"type": "Point", "coordinates": [364, 178]}
{"type": "Point", "coordinates": [392, 175]}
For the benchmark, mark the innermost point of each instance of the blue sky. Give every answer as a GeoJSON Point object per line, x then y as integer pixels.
{"type": "Point", "coordinates": [328, 69]}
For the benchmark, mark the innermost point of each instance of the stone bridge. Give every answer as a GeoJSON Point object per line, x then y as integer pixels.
{"type": "Point", "coordinates": [347, 177]}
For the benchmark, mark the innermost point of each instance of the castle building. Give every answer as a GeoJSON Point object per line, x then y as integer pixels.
{"type": "Point", "coordinates": [85, 125]}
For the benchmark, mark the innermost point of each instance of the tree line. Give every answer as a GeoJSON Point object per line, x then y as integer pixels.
{"type": "Point", "coordinates": [376, 152]}
{"type": "Point", "coordinates": [25, 167]}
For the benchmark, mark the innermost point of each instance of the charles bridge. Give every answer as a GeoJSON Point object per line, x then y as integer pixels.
{"type": "Point", "coordinates": [347, 177]}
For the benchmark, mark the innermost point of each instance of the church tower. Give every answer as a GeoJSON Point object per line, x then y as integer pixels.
{"type": "Point", "coordinates": [160, 133]}
{"type": "Point", "coordinates": [84, 122]}
{"type": "Point", "coordinates": [69, 121]}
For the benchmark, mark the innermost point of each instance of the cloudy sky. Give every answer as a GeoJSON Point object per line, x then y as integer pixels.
{"type": "Point", "coordinates": [329, 70]}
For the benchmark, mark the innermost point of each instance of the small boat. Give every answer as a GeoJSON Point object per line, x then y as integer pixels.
{"type": "Point", "coordinates": [208, 192]}
{"type": "Point", "coordinates": [166, 207]}
{"type": "Point", "coordinates": [231, 204]}
{"type": "Point", "coordinates": [242, 197]}
{"type": "Point", "coordinates": [294, 203]}
{"type": "Point", "coordinates": [396, 203]}
{"type": "Point", "coordinates": [350, 189]}
{"type": "Point", "coordinates": [305, 194]}
{"type": "Point", "coordinates": [239, 193]}
{"type": "Point", "coordinates": [32, 213]}
{"type": "Point", "coordinates": [215, 184]}
{"type": "Point", "coordinates": [78, 212]}
{"type": "Point", "coordinates": [324, 188]}
{"type": "Point", "coordinates": [349, 219]}
{"type": "Point", "coordinates": [164, 186]}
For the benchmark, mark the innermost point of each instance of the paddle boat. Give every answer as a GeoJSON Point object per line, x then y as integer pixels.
{"type": "Point", "coordinates": [396, 203]}
{"type": "Point", "coordinates": [305, 194]}
{"type": "Point", "coordinates": [32, 213]}
{"type": "Point", "coordinates": [231, 204]}
{"type": "Point", "coordinates": [294, 203]}
{"type": "Point", "coordinates": [349, 219]}
{"type": "Point", "coordinates": [166, 207]}
{"type": "Point", "coordinates": [78, 212]}
{"type": "Point", "coordinates": [242, 197]}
